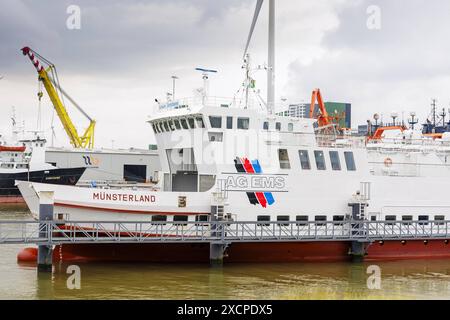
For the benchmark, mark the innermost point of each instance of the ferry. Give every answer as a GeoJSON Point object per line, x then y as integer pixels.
{"type": "Point", "coordinates": [253, 165]}
{"type": "Point", "coordinates": [269, 168]}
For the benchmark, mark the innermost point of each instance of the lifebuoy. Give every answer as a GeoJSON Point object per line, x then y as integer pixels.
{"type": "Point", "coordinates": [388, 162]}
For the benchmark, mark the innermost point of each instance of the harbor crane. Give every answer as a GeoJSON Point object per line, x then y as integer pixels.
{"type": "Point", "coordinates": [49, 78]}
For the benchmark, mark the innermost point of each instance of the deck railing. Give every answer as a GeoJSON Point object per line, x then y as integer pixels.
{"type": "Point", "coordinates": [79, 232]}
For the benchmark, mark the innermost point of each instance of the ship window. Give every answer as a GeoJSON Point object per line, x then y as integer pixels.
{"type": "Point", "coordinates": [266, 125]}
{"type": "Point", "coordinates": [283, 218]}
{"type": "Point", "coordinates": [390, 218]}
{"type": "Point", "coordinates": [283, 156]}
{"type": "Point", "coordinates": [154, 128]}
{"type": "Point", "coordinates": [423, 218]}
{"type": "Point", "coordinates": [320, 160]}
{"type": "Point", "coordinates": [335, 162]}
{"type": "Point", "coordinates": [263, 218]}
{"type": "Point", "coordinates": [350, 161]}
{"type": "Point", "coordinates": [177, 124]}
{"type": "Point", "coordinates": [439, 218]}
{"type": "Point", "coordinates": [171, 126]}
{"type": "Point", "coordinates": [290, 127]}
{"type": "Point", "coordinates": [200, 122]}
{"type": "Point", "coordinates": [229, 122]}
{"type": "Point", "coordinates": [337, 219]}
{"type": "Point", "coordinates": [301, 219]}
{"type": "Point", "coordinates": [407, 218]}
{"type": "Point", "coordinates": [216, 122]}
{"type": "Point", "coordinates": [320, 218]}
{"type": "Point", "coordinates": [180, 220]}
{"type": "Point", "coordinates": [201, 218]}
{"type": "Point", "coordinates": [278, 126]}
{"type": "Point", "coordinates": [166, 126]}
{"type": "Point", "coordinates": [304, 159]}
{"type": "Point", "coordinates": [243, 123]}
{"type": "Point", "coordinates": [159, 218]}
{"type": "Point", "coordinates": [191, 123]}
{"type": "Point", "coordinates": [160, 127]}
{"type": "Point", "coordinates": [373, 218]}
{"type": "Point", "coordinates": [184, 123]}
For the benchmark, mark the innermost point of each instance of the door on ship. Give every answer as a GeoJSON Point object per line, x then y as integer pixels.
{"type": "Point", "coordinates": [132, 172]}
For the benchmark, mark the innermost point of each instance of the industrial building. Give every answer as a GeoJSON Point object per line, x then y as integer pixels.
{"type": "Point", "coordinates": [138, 165]}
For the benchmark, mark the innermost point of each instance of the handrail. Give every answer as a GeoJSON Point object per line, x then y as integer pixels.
{"type": "Point", "coordinates": [78, 232]}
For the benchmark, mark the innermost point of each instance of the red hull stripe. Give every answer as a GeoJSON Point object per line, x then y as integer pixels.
{"type": "Point", "coordinates": [60, 204]}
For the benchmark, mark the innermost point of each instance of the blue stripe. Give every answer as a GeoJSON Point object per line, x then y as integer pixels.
{"type": "Point", "coordinates": [256, 166]}
{"type": "Point", "coordinates": [269, 198]}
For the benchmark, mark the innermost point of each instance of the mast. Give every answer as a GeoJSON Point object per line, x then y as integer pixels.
{"type": "Point", "coordinates": [271, 59]}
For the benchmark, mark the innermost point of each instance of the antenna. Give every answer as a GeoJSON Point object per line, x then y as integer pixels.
{"type": "Point", "coordinates": [205, 77]}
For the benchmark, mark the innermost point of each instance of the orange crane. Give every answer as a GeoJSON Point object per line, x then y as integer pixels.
{"type": "Point", "coordinates": [323, 119]}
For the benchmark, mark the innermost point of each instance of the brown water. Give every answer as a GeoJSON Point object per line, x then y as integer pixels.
{"type": "Point", "coordinates": [399, 280]}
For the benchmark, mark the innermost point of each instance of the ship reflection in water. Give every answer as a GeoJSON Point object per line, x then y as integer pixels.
{"type": "Point", "coordinates": [399, 280]}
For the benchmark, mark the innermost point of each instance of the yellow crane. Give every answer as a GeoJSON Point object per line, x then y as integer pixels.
{"type": "Point", "coordinates": [49, 78]}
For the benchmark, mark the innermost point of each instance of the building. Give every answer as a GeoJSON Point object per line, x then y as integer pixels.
{"type": "Point", "coordinates": [339, 110]}
{"type": "Point", "coordinates": [132, 164]}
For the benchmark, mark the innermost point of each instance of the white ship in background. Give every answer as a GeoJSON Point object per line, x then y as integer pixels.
{"type": "Point", "coordinates": [258, 166]}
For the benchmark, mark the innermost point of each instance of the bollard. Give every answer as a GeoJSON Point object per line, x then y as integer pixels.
{"type": "Point", "coordinates": [45, 251]}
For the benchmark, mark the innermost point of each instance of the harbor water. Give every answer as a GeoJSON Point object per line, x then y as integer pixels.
{"type": "Point", "coordinates": [419, 279]}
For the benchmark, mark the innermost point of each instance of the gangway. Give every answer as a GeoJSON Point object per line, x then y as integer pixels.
{"type": "Point", "coordinates": [56, 232]}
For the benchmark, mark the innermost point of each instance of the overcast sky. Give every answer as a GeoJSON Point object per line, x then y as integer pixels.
{"type": "Point", "coordinates": [123, 56]}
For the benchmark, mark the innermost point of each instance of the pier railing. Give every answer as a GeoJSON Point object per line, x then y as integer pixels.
{"type": "Point", "coordinates": [79, 232]}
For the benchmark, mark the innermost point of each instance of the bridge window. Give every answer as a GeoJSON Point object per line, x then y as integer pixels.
{"type": "Point", "coordinates": [184, 123]}
{"type": "Point", "coordinates": [229, 122]}
{"type": "Point", "coordinates": [320, 160]}
{"type": "Point", "coordinates": [160, 127]}
{"type": "Point", "coordinates": [216, 122]}
{"type": "Point", "coordinates": [191, 123]}
{"type": "Point", "coordinates": [350, 161]}
{"type": "Point", "coordinates": [166, 126]}
{"type": "Point", "coordinates": [301, 219]}
{"type": "Point", "coordinates": [278, 126]}
{"type": "Point", "coordinates": [177, 124]}
{"type": "Point", "coordinates": [335, 162]}
{"type": "Point", "coordinates": [304, 159]}
{"type": "Point", "coordinates": [283, 218]}
{"type": "Point", "coordinates": [283, 157]}
{"type": "Point", "coordinates": [180, 220]}
{"type": "Point", "coordinates": [266, 125]}
{"type": "Point", "coordinates": [200, 123]}
{"type": "Point", "coordinates": [263, 218]}
{"type": "Point", "coordinates": [243, 123]}
{"type": "Point", "coordinates": [171, 126]}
